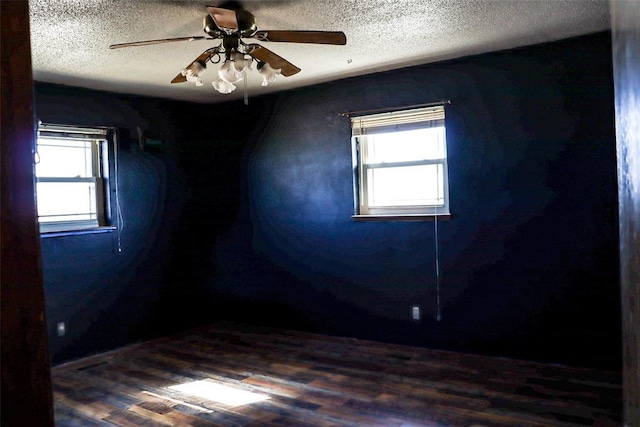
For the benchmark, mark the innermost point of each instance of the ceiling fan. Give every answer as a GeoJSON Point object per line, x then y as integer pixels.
{"type": "Point", "coordinates": [231, 23]}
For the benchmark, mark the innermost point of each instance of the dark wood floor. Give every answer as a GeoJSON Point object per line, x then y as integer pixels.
{"type": "Point", "coordinates": [315, 380]}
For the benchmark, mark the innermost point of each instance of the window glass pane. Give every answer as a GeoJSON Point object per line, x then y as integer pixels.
{"type": "Point", "coordinates": [411, 145]}
{"type": "Point", "coordinates": [66, 201]}
{"type": "Point", "coordinates": [406, 186]}
{"type": "Point", "coordinates": [64, 158]}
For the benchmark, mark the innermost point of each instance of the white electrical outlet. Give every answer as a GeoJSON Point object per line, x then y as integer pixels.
{"type": "Point", "coordinates": [62, 329]}
{"type": "Point", "coordinates": [415, 312]}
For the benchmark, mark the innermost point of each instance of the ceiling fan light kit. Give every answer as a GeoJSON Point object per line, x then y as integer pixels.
{"type": "Point", "coordinates": [231, 71]}
{"type": "Point", "coordinates": [232, 26]}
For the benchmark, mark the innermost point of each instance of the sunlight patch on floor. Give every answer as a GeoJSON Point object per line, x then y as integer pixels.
{"type": "Point", "coordinates": [219, 393]}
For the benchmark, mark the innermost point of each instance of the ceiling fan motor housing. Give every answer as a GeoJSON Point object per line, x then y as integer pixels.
{"type": "Point", "coordinates": [210, 27]}
{"type": "Point", "coordinates": [246, 23]}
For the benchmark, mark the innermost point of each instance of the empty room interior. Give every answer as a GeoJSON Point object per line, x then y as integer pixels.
{"type": "Point", "coordinates": [249, 256]}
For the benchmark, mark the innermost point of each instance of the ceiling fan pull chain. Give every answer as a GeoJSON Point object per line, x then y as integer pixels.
{"type": "Point", "coordinates": [246, 94]}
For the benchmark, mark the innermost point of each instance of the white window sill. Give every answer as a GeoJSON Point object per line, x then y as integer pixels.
{"type": "Point", "coordinates": [63, 233]}
{"type": "Point", "coordinates": [408, 217]}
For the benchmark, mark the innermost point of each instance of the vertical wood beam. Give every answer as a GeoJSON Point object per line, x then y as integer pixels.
{"type": "Point", "coordinates": [26, 379]}
{"type": "Point", "coordinates": [626, 65]}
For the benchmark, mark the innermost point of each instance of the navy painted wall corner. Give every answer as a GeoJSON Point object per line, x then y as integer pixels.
{"type": "Point", "coordinates": [174, 203]}
{"type": "Point", "coordinates": [529, 263]}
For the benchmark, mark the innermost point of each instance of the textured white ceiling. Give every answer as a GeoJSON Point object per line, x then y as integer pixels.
{"type": "Point", "coordinates": [70, 38]}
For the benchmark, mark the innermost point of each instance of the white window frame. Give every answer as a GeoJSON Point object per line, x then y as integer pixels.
{"type": "Point", "coordinates": [99, 142]}
{"type": "Point", "coordinates": [392, 122]}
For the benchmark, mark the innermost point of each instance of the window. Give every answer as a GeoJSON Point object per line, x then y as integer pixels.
{"type": "Point", "coordinates": [400, 164]}
{"type": "Point", "coordinates": [72, 172]}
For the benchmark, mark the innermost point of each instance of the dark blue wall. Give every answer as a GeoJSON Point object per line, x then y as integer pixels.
{"type": "Point", "coordinates": [174, 202]}
{"type": "Point", "coordinates": [529, 264]}
{"type": "Point", "coordinates": [254, 223]}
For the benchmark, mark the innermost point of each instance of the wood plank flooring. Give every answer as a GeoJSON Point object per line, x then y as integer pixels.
{"type": "Point", "coordinates": [317, 380]}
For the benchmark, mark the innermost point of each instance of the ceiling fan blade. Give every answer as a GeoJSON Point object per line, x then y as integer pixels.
{"type": "Point", "coordinates": [179, 78]}
{"type": "Point", "coordinates": [224, 18]}
{"type": "Point", "coordinates": [159, 41]}
{"type": "Point", "coordinates": [202, 59]}
{"type": "Point", "coordinates": [318, 37]}
{"type": "Point", "coordinates": [265, 55]}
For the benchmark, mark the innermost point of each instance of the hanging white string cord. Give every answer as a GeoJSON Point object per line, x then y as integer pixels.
{"type": "Point", "coordinates": [437, 250]}
{"type": "Point", "coordinates": [119, 217]}
{"type": "Point", "coordinates": [437, 254]}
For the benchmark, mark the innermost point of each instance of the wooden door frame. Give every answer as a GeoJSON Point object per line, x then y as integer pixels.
{"type": "Point", "coordinates": [26, 374]}
{"type": "Point", "coordinates": [625, 28]}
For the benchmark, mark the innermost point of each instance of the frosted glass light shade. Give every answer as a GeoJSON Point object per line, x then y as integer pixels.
{"type": "Point", "coordinates": [223, 86]}
{"type": "Point", "coordinates": [228, 73]}
{"type": "Point", "coordinates": [268, 74]}
{"type": "Point", "coordinates": [192, 73]}
{"type": "Point", "coordinates": [240, 64]}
